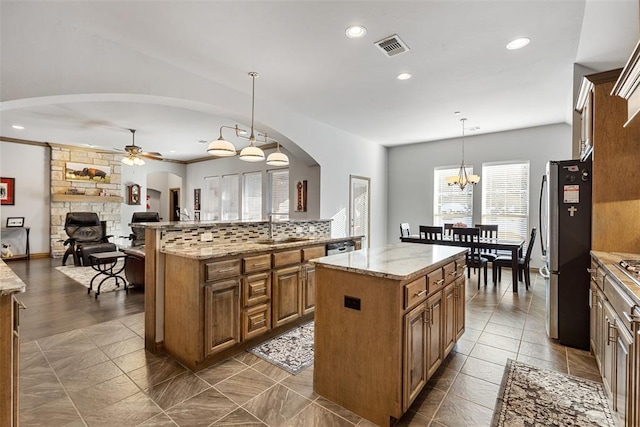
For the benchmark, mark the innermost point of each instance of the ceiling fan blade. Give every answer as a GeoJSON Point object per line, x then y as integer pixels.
{"type": "Point", "coordinates": [151, 156]}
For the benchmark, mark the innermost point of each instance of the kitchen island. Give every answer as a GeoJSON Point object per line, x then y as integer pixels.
{"type": "Point", "coordinates": [218, 289]}
{"type": "Point", "coordinates": [385, 320]}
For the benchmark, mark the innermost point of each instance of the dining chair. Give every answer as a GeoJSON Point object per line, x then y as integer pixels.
{"type": "Point", "coordinates": [430, 232]}
{"type": "Point", "coordinates": [448, 229]}
{"type": "Point", "coordinates": [523, 263]}
{"type": "Point", "coordinates": [488, 231]}
{"type": "Point", "coordinates": [474, 258]}
{"type": "Point", "coordinates": [404, 229]}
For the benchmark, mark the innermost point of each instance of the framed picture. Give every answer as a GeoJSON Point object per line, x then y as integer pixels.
{"type": "Point", "coordinates": [87, 173]}
{"type": "Point", "coordinates": [301, 196]}
{"type": "Point", "coordinates": [196, 199]}
{"type": "Point", "coordinates": [8, 191]}
{"type": "Point", "coordinates": [15, 221]}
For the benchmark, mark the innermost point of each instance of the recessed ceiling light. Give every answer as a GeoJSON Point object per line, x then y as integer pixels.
{"type": "Point", "coordinates": [356, 31]}
{"type": "Point", "coordinates": [172, 151]}
{"type": "Point", "coordinates": [518, 43]}
{"type": "Point", "coordinates": [456, 113]}
{"type": "Point", "coordinates": [18, 127]}
{"type": "Point", "coordinates": [403, 76]}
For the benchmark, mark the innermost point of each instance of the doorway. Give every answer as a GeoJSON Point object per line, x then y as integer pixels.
{"type": "Point", "coordinates": [359, 207]}
{"type": "Point", "coordinates": [174, 204]}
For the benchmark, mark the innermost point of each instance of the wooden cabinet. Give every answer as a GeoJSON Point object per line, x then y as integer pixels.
{"type": "Point", "coordinates": [449, 314]}
{"type": "Point", "coordinates": [222, 315]}
{"type": "Point", "coordinates": [308, 288]}
{"type": "Point", "coordinates": [616, 155]}
{"type": "Point", "coordinates": [615, 334]}
{"type": "Point", "coordinates": [286, 294]}
{"type": "Point", "coordinates": [416, 340]}
{"type": "Point", "coordinates": [460, 304]}
{"type": "Point", "coordinates": [9, 359]}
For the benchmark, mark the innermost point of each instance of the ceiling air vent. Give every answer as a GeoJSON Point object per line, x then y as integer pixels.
{"type": "Point", "coordinates": [392, 46]}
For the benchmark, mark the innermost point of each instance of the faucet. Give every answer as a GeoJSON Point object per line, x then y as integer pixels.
{"type": "Point", "coordinates": [271, 215]}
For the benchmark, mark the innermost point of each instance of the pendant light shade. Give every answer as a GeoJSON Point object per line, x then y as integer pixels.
{"type": "Point", "coordinates": [221, 148]}
{"type": "Point", "coordinates": [277, 158]}
{"type": "Point", "coordinates": [251, 154]}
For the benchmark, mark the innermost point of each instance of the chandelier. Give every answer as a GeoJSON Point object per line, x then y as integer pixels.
{"type": "Point", "coordinates": [462, 178]}
{"type": "Point", "coordinates": [223, 148]}
{"type": "Point", "coordinates": [134, 153]}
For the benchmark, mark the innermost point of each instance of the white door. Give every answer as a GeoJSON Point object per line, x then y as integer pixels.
{"type": "Point", "coordinates": [359, 205]}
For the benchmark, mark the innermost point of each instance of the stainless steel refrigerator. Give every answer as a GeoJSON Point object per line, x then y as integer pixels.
{"type": "Point", "coordinates": [565, 230]}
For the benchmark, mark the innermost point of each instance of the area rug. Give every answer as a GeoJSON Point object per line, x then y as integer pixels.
{"type": "Point", "coordinates": [531, 396]}
{"type": "Point", "coordinates": [291, 351]}
{"type": "Point", "coordinates": [83, 275]}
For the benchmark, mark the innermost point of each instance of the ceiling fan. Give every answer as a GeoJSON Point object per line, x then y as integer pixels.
{"type": "Point", "coordinates": [135, 153]}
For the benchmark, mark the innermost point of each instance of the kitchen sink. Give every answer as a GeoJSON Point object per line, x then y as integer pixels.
{"type": "Point", "coordinates": [276, 240]}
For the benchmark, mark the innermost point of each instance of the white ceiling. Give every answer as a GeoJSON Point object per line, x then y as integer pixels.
{"type": "Point", "coordinates": [457, 57]}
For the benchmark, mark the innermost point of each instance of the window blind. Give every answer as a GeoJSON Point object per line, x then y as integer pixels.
{"type": "Point", "coordinates": [230, 197]}
{"type": "Point", "coordinates": [505, 201]}
{"type": "Point", "coordinates": [279, 193]}
{"type": "Point", "coordinates": [211, 198]}
{"type": "Point", "coordinates": [252, 196]}
{"type": "Point", "coordinates": [450, 204]}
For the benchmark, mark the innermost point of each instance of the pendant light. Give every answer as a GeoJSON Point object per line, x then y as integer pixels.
{"type": "Point", "coordinates": [462, 179]}
{"type": "Point", "coordinates": [223, 148]}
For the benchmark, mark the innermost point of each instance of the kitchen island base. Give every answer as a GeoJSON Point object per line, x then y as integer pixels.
{"type": "Point", "coordinates": [378, 337]}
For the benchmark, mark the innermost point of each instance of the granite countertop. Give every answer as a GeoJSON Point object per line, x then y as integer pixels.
{"type": "Point", "coordinates": [609, 260]}
{"type": "Point", "coordinates": [399, 261]}
{"type": "Point", "coordinates": [218, 250]}
{"type": "Point", "coordinates": [205, 223]}
{"type": "Point", "coordinates": [9, 281]}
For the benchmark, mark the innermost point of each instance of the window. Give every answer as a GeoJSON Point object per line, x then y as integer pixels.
{"type": "Point", "coordinates": [450, 204]}
{"type": "Point", "coordinates": [252, 196]}
{"type": "Point", "coordinates": [211, 198]}
{"type": "Point", "coordinates": [230, 197]}
{"type": "Point", "coordinates": [279, 193]}
{"type": "Point", "coordinates": [505, 189]}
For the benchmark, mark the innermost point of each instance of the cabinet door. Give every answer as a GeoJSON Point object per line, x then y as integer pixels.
{"type": "Point", "coordinates": [600, 329]}
{"type": "Point", "coordinates": [624, 347]}
{"type": "Point", "coordinates": [449, 318]}
{"type": "Point", "coordinates": [434, 333]}
{"type": "Point", "coordinates": [256, 321]}
{"type": "Point", "coordinates": [460, 306]}
{"type": "Point", "coordinates": [16, 359]}
{"type": "Point", "coordinates": [308, 288]}
{"type": "Point", "coordinates": [415, 353]}
{"type": "Point", "coordinates": [222, 315]}
{"type": "Point", "coordinates": [286, 295]}
{"type": "Point", "coordinates": [608, 350]}
{"type": "Point", "coordinates": [593, 313]}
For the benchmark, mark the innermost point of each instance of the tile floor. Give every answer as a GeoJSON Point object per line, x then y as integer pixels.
{"type": "Point", "coordinates": [101, 375]}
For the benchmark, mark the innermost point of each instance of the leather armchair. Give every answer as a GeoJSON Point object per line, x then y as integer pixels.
{"type": "Point", "coordinates": [87, 235]}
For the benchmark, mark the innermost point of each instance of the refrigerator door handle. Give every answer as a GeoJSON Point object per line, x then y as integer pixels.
{"type": "Point", "coordinates": [540, 217]}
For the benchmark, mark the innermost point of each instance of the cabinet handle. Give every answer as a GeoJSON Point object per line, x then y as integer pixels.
{"type": "Point", "coordinates": [260, 322]}
{"type": "Point", "coordinates": [589, 270]}
{"type": "Point", "coordinates": [227, 269]}
{"type": "Point", "coordinates": [611, 327]}
{"type": "Point", "coordinates": [428, 318]}
{"type": "Point", "coordinates": [439, 282]}
{"type": "Point", "coordinates": [258, 264]}
{"type": "Point", "coordinates": [419, 294]}
{"type": "Point", "coordinates": [631, 318]}
{"type": "Point", "coordinates": [453, 273]}
{"type": "Point", "coordinates": [21, 305]}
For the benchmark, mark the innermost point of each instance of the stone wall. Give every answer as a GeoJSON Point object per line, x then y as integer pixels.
{"type": "Point", "coordinates": [107, 211]}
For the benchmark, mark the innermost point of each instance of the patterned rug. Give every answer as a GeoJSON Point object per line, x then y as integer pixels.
{"type": "Point", "coordinates": [531, 396]}
{"type": "Point", "coordinates": [83, 275]}
{"type": "Point", "coordinates": [292, 351]}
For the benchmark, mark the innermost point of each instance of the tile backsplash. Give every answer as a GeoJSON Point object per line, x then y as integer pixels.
{"type": "Point", "coordinates": [241, 232]}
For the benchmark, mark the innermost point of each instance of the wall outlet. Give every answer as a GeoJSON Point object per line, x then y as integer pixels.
{"type": "Point", "coordinates": [312, 229]}
{"type": "Point", "coordinates": [298, 230]}
{"type": "Point", "coordinates": [206, 237]}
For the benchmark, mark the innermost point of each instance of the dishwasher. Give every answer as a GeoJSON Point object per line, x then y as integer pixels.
{"type": "Point", "coordinates": [340, 247]}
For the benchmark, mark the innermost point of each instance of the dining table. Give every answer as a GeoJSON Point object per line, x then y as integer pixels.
{"type": "Point", "coordinates": [512, 245]}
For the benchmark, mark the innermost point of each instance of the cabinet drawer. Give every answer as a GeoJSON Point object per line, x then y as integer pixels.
{"type": "Point", "coordinates": [286, 258]}
{"type": "Point", "coordinates": [314, 252]}
{"type": "Point", "coordinates": [256, 288]}
{"type": "Point", "coordinates": [256, 321]}
{"type": "Point", "coordinates": [435, 280]}
{"type": "Point", "coordinates": [415, 292]}
{"type": "Point", "coordinates": [449, 272]}
{"type": "Point", "coordinates": [621, 303]}
{"type": "Point", "coordinates": [460, 265]}
{"type": "Point", "coordinates": [256, 263]}
{"type": "Point", "coordinates": [221, 270]}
